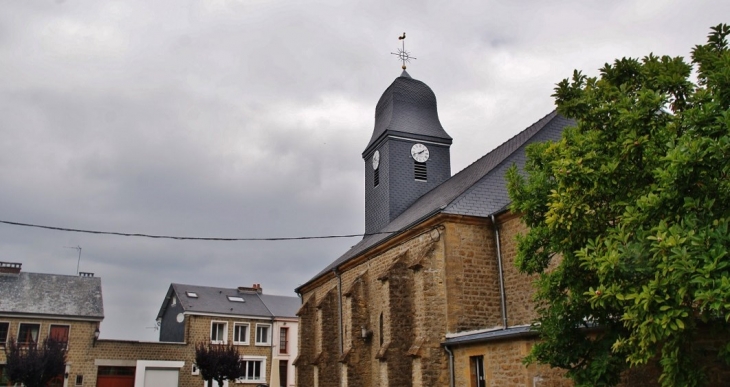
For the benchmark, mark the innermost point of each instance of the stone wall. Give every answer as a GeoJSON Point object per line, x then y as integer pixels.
{"type": "Point", "coordinates": [441, 279]}
{"type": "Point", "coordinates": [80, 341]}
{"type": "Point", "coordinates": [519, 290]}
{"type": "Point", "coordinates": [503, 366]}
{"type": "Point", "coordinates": [472, 280]}
{"type": "Point", "coordinates": [84, 355]}
{"type": "Point", "coordinates": [380, 295]}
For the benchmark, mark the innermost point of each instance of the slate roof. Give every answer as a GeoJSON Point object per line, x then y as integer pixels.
{"type": "Point", "coordinates": [212, 300]}
{"type": "Point", "coordinates": [478, 190]}
{"type": "Point", "coordinates": [409, 105]}
{"type": "Point", "coordinates": [51, 295]}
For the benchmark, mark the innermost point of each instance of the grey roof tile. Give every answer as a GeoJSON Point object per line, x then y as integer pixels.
{"type": "Point", "coordinates": [51, 295]}
{"type": "Point", "coordinates": [282, 306]}
{"type": "Point", "coordinates": [214, 300]}
{"type": "Point", "coordinates": [477, 190]}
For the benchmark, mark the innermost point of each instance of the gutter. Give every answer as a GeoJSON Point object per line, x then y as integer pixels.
{"type": "Point", "coordinates": [502, 296]}
{"type": "Point", "coordinates": [451, 365]}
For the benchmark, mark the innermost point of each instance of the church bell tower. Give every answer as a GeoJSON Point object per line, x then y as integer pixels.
{"type": "Point", "coordinates": [408, 153]}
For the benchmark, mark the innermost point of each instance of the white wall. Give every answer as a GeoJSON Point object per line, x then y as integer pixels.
{"type": "Point", "coordinates": [292, 351]}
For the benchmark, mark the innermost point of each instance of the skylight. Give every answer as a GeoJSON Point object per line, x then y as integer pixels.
{"type": "Point", "coordinates": [191, 294]}
{"type": "Point", "coordinates": [236, 299]}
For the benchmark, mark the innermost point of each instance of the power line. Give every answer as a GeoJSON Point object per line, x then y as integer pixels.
{"type": "Point", "coordinates": [188, 238]}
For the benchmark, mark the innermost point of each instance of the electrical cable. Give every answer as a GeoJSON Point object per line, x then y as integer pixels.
{"type": "Point", "coordinates": [190, 238]}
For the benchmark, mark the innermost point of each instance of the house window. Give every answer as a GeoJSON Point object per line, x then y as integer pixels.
{"type": "Point", "coordinates": [4, 328]}
{"type": "Point", "coordinates": [173, 301]}
{"type": "Point", "coordinates": [28, 333]}
{"type": "Point", "coordinates": [263, 333]}
{"type": "Point", "coordinates": [79, 380]}
{"type": "Point", "coordinates": [376, 177]}
{"type": "Point", "coordinates": [59, 333]}
{"type": "Point", "coordinates": [240, 333]}
{"type": "Point", "coordinates": [477, 371]}
{"type": "Point", "coordinates": [253, 370]}
{"type": "Point", "coordinates": [219, 332]}
{"type": "Point", "coordinates": [283, 339]}
{"type": "Point", "coordinates": [191, 294]}
{"type": "Point", "coordinates": [419, 171]}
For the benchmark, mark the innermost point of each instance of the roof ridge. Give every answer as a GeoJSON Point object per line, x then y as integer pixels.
{"type": "Point", "coordinates": [265, 306]}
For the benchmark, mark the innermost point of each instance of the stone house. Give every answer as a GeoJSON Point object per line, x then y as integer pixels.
{"type": "Point", "coordinates": [263, 327]}
{"type": "Point", "coordinates": [430, 296]}
{"type": "Point", "coordinates": [34, 306]}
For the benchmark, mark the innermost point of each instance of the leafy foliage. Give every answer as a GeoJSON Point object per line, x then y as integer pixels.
{"type": "Point", "coordinates": [633, 205]}
{"type": "Point", "coordinates": [219, 362]}
{"type": "Point", "coordinates": [35, 365]}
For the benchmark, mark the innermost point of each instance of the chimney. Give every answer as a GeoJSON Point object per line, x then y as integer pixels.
{"type": "Point", "coordinates": [10, 267]}
{"type": "Point", "coordinates": [255, 288]}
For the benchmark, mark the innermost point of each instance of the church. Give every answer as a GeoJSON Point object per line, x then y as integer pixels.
{"type": "Point", "coordinates": [430, 296]}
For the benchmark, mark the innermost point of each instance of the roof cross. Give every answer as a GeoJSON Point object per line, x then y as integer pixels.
{"type": "Point", "coordinates": [402, 54]}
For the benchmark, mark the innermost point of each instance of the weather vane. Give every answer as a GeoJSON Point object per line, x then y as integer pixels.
{"type": "Point", "coordinates": [402, 54]}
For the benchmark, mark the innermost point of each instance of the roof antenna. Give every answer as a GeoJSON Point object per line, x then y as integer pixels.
{"type": "Point", "coordinates": [79, 261]}
{"type": "Point", "coordinates": [402, 54]}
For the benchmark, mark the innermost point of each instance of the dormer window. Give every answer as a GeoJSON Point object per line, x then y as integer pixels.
{"type": "Point", "coordinates": [236, 299]}
{"type": "Point", "coordinates": [191, 294]}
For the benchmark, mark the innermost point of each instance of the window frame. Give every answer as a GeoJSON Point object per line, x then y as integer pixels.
{"type": "Point", "coordinates": [225, 332]}
{"type": "Point", "coordinates": [283, 344]}
{"type": "Point", "coordinates": [68, 332]}
{"type": "Point", "coordinates": [248, 333]}
{"type": "Point", "coordinates": [20, 326]}
{"type": "Point", "coordinates": [262, 369]}
{"type": "Point", "coordinates": [4, 341]}
{"type": "Point", "coordinates": [267, 343]}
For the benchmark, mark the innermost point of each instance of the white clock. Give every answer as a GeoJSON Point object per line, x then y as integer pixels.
{"type": "Point", "coordinates": [376, 159]}
{"type": "Point", "coordinates": [419, 152]}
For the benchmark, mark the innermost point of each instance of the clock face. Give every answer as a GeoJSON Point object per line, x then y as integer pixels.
{"type": "Point", "coordinates": [419, 153]}
{"type": "Point", "coordinates": [376, 159]}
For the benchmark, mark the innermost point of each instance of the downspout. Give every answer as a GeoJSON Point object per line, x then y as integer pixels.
{"type": "Point", "coordinates": [502, 299]}
{"type": "Point", "coordinates": [451, 365]}
{"type": "Point", "coordinates": [339, 306]}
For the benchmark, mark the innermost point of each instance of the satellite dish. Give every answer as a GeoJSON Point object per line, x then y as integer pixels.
{"type": "Point", "coordinates": [180, 317]}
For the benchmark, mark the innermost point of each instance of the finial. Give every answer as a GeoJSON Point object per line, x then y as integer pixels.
{"type": "Point", "coordinates": [402, 54]}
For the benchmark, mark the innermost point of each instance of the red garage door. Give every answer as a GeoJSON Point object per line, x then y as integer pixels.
{"type": "Point", "coordinates": [115, 377]}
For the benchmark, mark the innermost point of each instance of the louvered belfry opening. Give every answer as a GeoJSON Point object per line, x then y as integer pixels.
{"type": "Point", "coordinates": [376, 177]}
{"type": "Point", "coordinates": [419, 171]}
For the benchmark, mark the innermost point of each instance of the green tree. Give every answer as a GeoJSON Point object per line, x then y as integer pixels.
{"type": "Point", "coordinates": [219, 362]}
{"type": "Point", "coordinates": [628, 219]}
{"type": "Point", "coordinates": [34, 365]}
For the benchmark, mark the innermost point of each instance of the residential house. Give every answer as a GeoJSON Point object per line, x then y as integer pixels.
{"type": "Point", "coordinates": [263, 327]}
{"type": "Point", "coordinates": [430, 297]}
{"type": "Point", "coordinates": [34, 306]}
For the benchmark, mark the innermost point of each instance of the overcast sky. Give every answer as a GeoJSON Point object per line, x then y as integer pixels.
{"type": "Point", "coordinates": [248, 119]}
